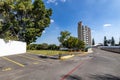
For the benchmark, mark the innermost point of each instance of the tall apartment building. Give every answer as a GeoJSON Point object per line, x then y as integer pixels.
{"type": "Point", "coordinates": [84, 33]}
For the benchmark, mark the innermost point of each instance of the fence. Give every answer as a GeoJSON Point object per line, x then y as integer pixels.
{"type": "Point", "coordinates": [11, 47]}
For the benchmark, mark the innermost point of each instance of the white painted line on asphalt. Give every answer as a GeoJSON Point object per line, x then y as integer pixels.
{"type": "Point", "coordinates": [17, 63]}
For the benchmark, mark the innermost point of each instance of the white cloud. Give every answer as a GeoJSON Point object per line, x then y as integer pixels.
{"type": "Point", "coordinates": [107, 25]}
{"type": "Point", "coordinates": [55, 1]}
{"type": "Point", "coordinates": [44, 32]}
{"type": "Point", "coordinates": [51, 1]}
{"type": "Point", "coordinates": [92, 30]}
{"type": "Point", "coordinates": [52, 21]}
{"type": "Point", "coordinates": [63, 0]}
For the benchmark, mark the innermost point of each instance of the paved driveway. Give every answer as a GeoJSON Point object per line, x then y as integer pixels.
{"type": "Point", "coordinates": [100, 65]}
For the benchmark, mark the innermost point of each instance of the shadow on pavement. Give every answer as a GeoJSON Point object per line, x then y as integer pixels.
{"type": "Point", "coordinates": [73, 77]}
{"type": "Point", "coordinates": [48, 57]}
{"type": "Point", "coordinates": [105, 77]}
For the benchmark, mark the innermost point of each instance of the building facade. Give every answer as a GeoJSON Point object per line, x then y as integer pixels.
{"type": "Point", "coordinates": [84, 33]}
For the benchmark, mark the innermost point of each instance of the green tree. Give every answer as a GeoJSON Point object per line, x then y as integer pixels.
{"type": "Point", "coordinates": [31, 46]}
{"type": "Point", "coordinates": [23, 19]}
{"type": "Point", "coordinates": [112, 42]}
{"type": "Point", "coordinates": [93, 41]}
{"type": "Point", "coordinates": [53, 47]}
{"type": "Point", "coordinates": [74, 43]}
{"type": "Point", "coordinates": [44, 46]}
{"type": "Point", "coordinates": [105, 41]}
{"type": "Point", "coordinates": [39, 47]}
{"type": "Point", "coordinates": [63, 36]}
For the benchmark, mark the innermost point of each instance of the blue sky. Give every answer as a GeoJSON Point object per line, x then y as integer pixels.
{"type": "Point", "coordinates": [102, 16]}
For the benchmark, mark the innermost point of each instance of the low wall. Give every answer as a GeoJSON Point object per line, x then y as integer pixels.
{"type": "Point", "coordinates": [90, 50]}
{"type": "Point", "coordinates": [11, 47]}
{"type": "Point", "coordinates": [111, 48]}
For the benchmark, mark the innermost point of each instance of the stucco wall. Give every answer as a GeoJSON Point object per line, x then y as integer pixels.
{"type": "Point", "coordinates": [11, 47]}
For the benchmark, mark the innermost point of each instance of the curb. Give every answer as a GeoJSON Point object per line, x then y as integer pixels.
{"type": "Point", "coordinates": [83, 54]}
{"type": "Point", "coordinates": [70, 56]}
{"type": "Point", "coordinates": [67, 57]}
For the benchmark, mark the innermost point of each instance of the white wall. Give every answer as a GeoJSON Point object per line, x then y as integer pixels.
{"type": "Point", "coordinates": [90, 50]}
{"type": "Point", "coordinates": [11, 47]}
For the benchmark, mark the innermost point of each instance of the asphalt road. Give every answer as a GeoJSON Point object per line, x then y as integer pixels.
{"type": "Point", "coordinates": [99, 65]}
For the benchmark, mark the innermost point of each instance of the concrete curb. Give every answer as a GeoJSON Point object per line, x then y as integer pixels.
{"type": "Point", "coordinates": [70, 56]}
{"type": "Point", "coordinates": [83, 54]}
{"type": "Point", "coordinates": [66, 57]}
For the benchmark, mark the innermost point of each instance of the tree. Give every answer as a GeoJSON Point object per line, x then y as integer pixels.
{"type": "Point", "coordinates": [39, 47]}
{"type": "Point", "coordinates": [73, 43]}
{"type": "Point", "coordinates": [24, 20]}
{"type": "Point", "coordinates": [64, 35]}
{"type": "Point", "coordinates": [32, 47]}
{"type": "Point", "coordinates": [44, 46]}
{"type": "Point", "coordinates": [93, 41]}
{"type": "Point", "coordinates": [112, 42]}
{"type": "Point", "coordinates": [105, 41]}
{"type": "Point", "coordinates": [53, 47]}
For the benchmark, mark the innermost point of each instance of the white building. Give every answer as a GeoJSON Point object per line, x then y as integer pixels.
{"type": "Point", "coordinates": [84, 34]}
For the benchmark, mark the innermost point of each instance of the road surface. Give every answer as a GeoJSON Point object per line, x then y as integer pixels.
{"type": "Point", "coordinates": [99, 65]}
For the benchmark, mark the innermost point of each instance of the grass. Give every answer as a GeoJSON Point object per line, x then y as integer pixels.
{"type": "Point", "coordinates": [47, 52]}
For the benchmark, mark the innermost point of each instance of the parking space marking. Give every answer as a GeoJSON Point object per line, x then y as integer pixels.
{"type": "Point", "coordinates": [35, 63]}
{"type": "Point", "coordinates": [17, 63]}
{"type": "Point", "coordinates": [7, 69]}
{"type": "Point", "coordinates": [32, 58]}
